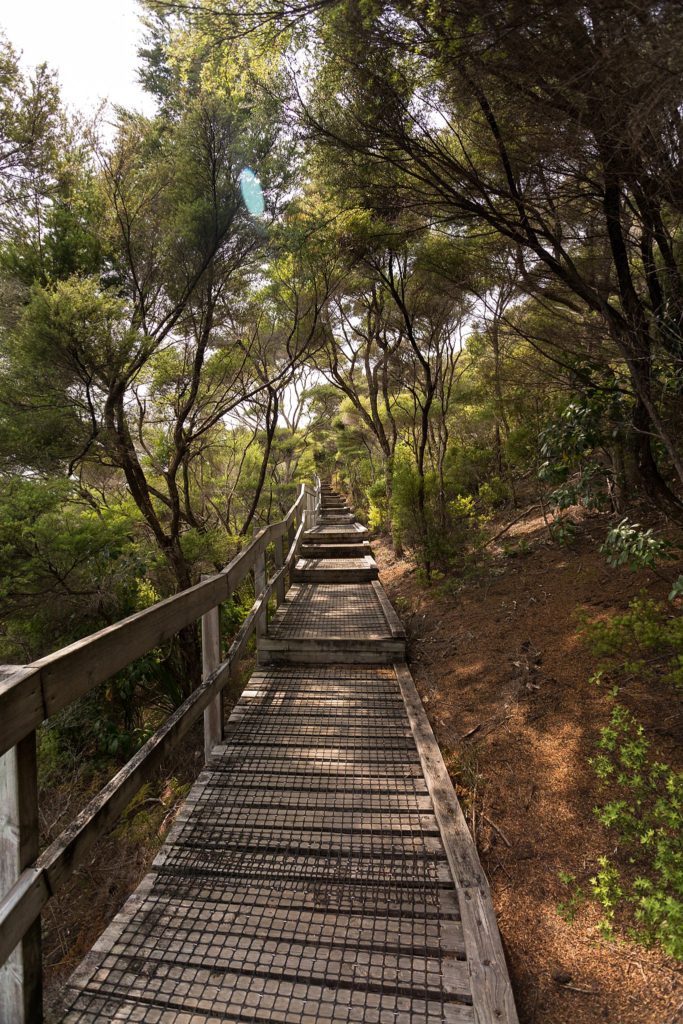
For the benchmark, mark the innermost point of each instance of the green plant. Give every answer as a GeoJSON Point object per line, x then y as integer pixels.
{"type": "Point", "coordinates": [569, 907]}
{"type": "Point", "coordinates": [646, 641]}
{"type": "Point", "coordinates": [607, 890]}
{"type": "Point", "coordinates": [644, 808]}
{"type": "Point", "coordinates": [676, 589]}
{"type": "Point", "coordinates": [563, 531]}
{"type": "Point", "coordinates": [627, 544]}
{"type": "Point", "coordinates": [142, 820]}
{"type": "Point", "coordinates": [493, 493]}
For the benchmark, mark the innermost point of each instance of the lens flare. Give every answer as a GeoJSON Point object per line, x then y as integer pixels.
{"type": "Point", "coordinates": [252, 193]}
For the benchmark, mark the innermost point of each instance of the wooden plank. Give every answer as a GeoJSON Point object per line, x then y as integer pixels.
{"type": "Point", "coordinates": [310, 652]}
{"type": "Point", "coordinates": [393, 622]}
{"type": "Point", "coordinates": [490, 981]}
{"type": "Point", "coordinates": [19, 908]}
{"type": "Point", "coordinates": [34, 693]}
{"type": "Point", "coordinates": [21, 994]}
{"type": "Point", "coordinates": [309, 550]}
{"type": "Point", "coordinates": [279, 562]}
{"type": "Point", "coordinates": [260, 581]}
{"type": "Point", "coordinates": [211, 659]}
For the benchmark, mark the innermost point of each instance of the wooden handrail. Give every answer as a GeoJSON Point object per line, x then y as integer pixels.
{"type": "Point", "coordinates": [33, 693]}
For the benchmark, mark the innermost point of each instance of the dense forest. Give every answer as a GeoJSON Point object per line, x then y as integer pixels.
{"type": "Point", "coordinates": [431, 251]}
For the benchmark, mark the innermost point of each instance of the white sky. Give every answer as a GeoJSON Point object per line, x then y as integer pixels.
{"type": "Point", "coordinates": [92, 44]}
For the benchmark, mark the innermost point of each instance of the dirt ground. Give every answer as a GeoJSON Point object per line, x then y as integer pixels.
{"type": "Point", "coordinates": [504, 676]}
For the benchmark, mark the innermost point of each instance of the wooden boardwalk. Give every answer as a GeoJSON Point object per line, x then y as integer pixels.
{"type": "Point", "coordinates": [320, 869]}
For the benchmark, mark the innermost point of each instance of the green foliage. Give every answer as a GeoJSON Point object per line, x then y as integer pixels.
{"type": "Point", "coordinates": [569, 907]}
{"type": "Point", "coordinates": [628, 544]}
{"type": "Point", "coordinates": [573, 448]}
{"type": "Point", "coordinates": [54, 543]}
{"type": "Point", "coordinates": [676, 589]}
{"type": "Point", "coordinates": [440, 532]}
{"type": "Point", "coordinates": [378, 507]}
{"type": "Point", "coordinates": [645, 811]}
{"type": "Point", "coordinates": [493, 493]}
{"type": "Point", "coordinates": [607, 890]}
{"type": "Point", "coordinates": [646, 641]}
{"type": "Point", "coordinates": [563, 531]}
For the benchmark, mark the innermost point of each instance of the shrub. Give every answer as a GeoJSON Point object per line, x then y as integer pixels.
{"type": "Point", "coordinates": [646, 641]}
{"type": "Point", "coordinates": [378, 508]}
{"type": "Point", "coordinates": [644, 808]}
{"type": "Point", "coordinates": [627, 544]}
{"type": "Point", "coordinates": [493, 493]}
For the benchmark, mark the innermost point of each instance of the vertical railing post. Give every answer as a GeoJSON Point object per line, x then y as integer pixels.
{"type": "Point", "coordinates": [279, 562]}
{"type": "Point", "coordinates": [211, 659]}
{"type": "Point", "coordinates": [260, 580]}
{"type": "Point", "coordinates": [21, 982]}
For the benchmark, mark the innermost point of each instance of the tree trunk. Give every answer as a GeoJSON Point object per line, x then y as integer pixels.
{"type": "Point", "coordinates": [652, 481]}
{"type": "Point", "coordinates": [271, 424]}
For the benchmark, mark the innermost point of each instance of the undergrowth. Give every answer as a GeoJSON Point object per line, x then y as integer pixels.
{"type": "Point", "coordinates": [646, 642]}
{"type": "Point", "coordinates": [640, 885]}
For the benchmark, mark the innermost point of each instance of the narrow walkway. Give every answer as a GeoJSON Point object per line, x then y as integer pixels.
{"type": "Point", "coordinates": [320, 869]}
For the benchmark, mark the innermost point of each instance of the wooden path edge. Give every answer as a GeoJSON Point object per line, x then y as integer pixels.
{"type": "Point", "coordinates": [491, 988]}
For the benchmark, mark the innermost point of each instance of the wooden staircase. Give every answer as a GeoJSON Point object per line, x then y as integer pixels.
{"type": "Point", "coordinates": [320, 869]}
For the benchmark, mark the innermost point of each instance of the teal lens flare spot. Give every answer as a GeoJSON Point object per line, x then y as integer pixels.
{"type": "Point", "coordinates": [252, 193]}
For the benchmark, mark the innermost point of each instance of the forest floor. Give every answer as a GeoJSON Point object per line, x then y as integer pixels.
{"type": "Point", "coordinates": [503, 672]}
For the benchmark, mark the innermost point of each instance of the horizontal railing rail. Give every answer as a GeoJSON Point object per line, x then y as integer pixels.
{"type": "Point", "coordinates": [31, 694]}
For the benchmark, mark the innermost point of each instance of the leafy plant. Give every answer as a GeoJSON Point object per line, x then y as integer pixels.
{"type": "Point", "coordinates": [627, 544]}
{"type": "Point", "coordinates": [493, 493]}
{"type": "Point", "coordinates": [644, 807]}
{"type": "Point", "coordinates": [646, 641]}
{"type": "Point", "coordinates": [569, 907]}
{"type": "Point", "coordinates": [563, 531]}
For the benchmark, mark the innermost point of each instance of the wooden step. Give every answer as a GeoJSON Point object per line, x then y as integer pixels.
{"type": "Point", "coordinates": [350, 550]}
{"type": "Point", "coordinates": [331, 518]}
{"type": "Point", "coordinates": [330, 650]}
{"type": "Point", "coordinates": [335, 570]}
{"type": "Point", "coordinates": [331, 534]}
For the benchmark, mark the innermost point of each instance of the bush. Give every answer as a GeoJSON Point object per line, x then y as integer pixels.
{"type": "Point", "coordinates": [627, 544]}
{"type": "Point", "coordinates": [493, 493]}
{"type": "Point", "coordinates": [645, 810]}
{"type": "Point", "coordinates": [378, 508]}
{"type": "Point", "coordinates": [646, 641]}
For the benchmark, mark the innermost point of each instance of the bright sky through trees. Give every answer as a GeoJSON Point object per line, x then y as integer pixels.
{"type": "Point", "coordinates": [92, 44]}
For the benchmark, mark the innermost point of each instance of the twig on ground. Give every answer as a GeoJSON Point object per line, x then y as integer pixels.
{"type": "Point", "coordinates": [509, 525]}
{"type": "Point", "coordinates": [496, 828]}
{"type": "Point", "coordinates": [471, 732]}
{"type": "Point", "coordinates": [583, 991]}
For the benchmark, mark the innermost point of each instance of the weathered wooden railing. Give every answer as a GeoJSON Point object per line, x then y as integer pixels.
{"type": "Point", "coordinates": [31, 694]}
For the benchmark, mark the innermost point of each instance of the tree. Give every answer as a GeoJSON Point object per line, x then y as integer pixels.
{"type": "Point", "coordinates": [558, 129]}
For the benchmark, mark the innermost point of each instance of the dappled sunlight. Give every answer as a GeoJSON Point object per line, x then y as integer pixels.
{"type": "Point", "coordinates": [503, 671]}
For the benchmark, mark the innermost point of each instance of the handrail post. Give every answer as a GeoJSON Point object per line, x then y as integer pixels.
{"type": "Point", "coordinates": [21, 981]}
{"type": "Point", "coordinates": [279, 562]}
{"type": "Point", "coordinates": [211, 659]}
{"type": "Point", "coordinates": [260, 580]}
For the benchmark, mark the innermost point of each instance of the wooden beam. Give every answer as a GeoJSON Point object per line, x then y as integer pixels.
{"type": "Point", "coordinates": [32, 694]}
{"type": "Point", "coordinates": [279, 562]}
{"type": "Point", "coordinates": [260, 583]}
{"type": "Point", "coordinates": [21, 989]}
{"type": "Point", "coordinates": [211, 659]}
{"type": "Point", "coordinates": [491, 990]}
{"type": "Point", "coordinates": [20, 907]}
